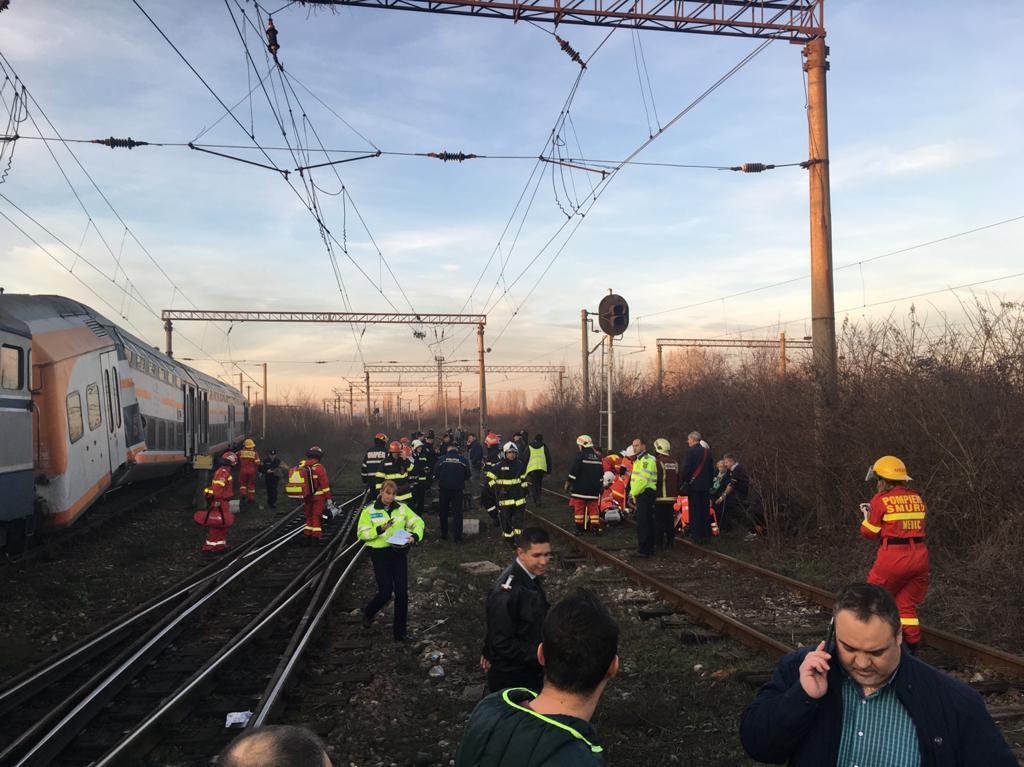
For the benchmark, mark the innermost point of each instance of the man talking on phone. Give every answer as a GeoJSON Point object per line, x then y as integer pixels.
{"type": "Point", "coordinates": [858, 699]}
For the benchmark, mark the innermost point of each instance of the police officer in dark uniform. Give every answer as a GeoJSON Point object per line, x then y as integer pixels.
{"type": "Point", "coordinates": [516, 608]}
{"type": "Point", "coordinates": [270, 468]}
{"type": "Point", "coordinates": [373, 459]}
{"type": "Point", "coordinates": [452, 471]}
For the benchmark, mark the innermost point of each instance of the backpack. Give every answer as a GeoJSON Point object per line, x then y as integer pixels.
{"type": "Point", "coordinates": [300, 482]}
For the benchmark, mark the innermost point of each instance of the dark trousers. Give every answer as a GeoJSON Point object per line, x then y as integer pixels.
{"type": "Point", "coordinates": [272, 481]}
{"type": "Point", "coordinates": [700, 516]}
{"type": "Point", "coordinates": [664, 524]}
{"type": "Point", "coordinates": [645, 522]}
{"type": "Point", "coordinates": [450, 500]}
{"type": "Point", "coordinates": [391, 569]}
{"type": "Point", "coordinates": [536, 479]}
{"type": "Point", "coordinates": [419, 498]}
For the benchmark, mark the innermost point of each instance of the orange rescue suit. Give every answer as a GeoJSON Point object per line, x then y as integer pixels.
{"type": "Point", "coordinates": [316, 501]}
{"type": "Point", "coordinates": [901, 566]}
{"type": "Point", "coordinates": [218, 517]}
{"type": "Point", "coordinates": [248, 462]}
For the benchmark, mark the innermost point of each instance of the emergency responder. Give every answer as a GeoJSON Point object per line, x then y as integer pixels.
{"type": "Point", "coordinates": [643, 487]}
{"type": "Point", "coordinates": [248, 467]}
{"type": "Point", "coordinates": [895, 518]}
{"type": "Point", "coordinates": [516, 607]}
{"type": "Point", "coordinates": [492, 457]}
{"type": "Point", "coordinates": [451, 471]}
{"type": "Point", "coordinates": [732, 500]}
{"type": "Point", "coordinates": [429, 448]}
{"type": "Point", "coordinates": [373, 458]}
{"type": "Point", "coordinates": [667, 490]}
{"type": "Point", "coordinates": [695, 477]}
{"type": "Point", "coordinates": [270, 468]}
{"type": "Point", "coordinates": [538, 464]}
{"type": "Point", "coordinates": [584, 483]}
{"type": "Point", "coordinates": [389, 527]}
{"type": "Point", "coordinates": [396, 469]}
{"type": "Point", "coordinates": [406, 447]}
{"type": "Point", "coordinates": [476, 462]}
{"type": "Point", "coordinates": [309, 481]}
{"type": "Point", "coordinates": [419, 478]}
{"type": "Point", "coordinates": [507, 481]}
{"type": "Point", "coordinates": [218, 517]}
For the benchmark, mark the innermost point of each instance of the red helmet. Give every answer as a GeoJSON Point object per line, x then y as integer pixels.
{"type": "Point", "coordinates": [404, 440]}
{"type": "Point", "coordinates": [492, 439]}
{"type": "Point", "coordinates": [395, 447]}
{"type": "Point", "coordinates": [314, 452]}
{"type": "Point", "coordinates": [229, 458]}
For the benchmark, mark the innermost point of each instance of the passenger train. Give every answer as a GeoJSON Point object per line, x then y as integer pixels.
{"type": "Point", "coordinates": [86, 406]}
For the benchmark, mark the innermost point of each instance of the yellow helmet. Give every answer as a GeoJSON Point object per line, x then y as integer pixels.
{"type": "Point", "coordinates": [888, 467]}
{"type": "Point", "coordinates": [662, 445]}
{"type": "Point", "coordinates": [249, 444]}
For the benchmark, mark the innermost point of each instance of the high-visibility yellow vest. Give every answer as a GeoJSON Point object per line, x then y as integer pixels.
{"type": "Point", "coordinates": [644, 474]}
{"type": "Point", "coordinates": [300, 481]}
{"type": "Point", "coordinates": [538, 461]}
{"type": "Point", "coordinates": [398, 517]}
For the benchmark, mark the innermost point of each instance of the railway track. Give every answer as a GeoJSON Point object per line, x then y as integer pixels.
{"type": "Point", "coordinates": [774, 614]}
{"type": "Point", "coordinates": [161, 680]}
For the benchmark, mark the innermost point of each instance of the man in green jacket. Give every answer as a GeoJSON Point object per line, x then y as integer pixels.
{"type": "Point", "coordinates": [519, 728]}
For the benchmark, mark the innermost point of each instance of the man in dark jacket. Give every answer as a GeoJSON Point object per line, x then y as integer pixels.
{"type": "Point", "coordinates": [419, 477]}
{"type": "Point", "coordinates": [373, 459]}
{"type": "Point", "coordinates": [507, 481]}
{"type": "Point", "coordinates": [516, 608]}
{"type": "Point", "coordinates": [475, 450]}
{"type": "Point", "coordinates": [877, 705]}
{"type": "Point", "coordinates": [270, 468]}
{"type": "Point", "coordinates": [584, 485]}
{"type": "Point", "coordinates": [695, 477]}
{"type": "Point", "coordinates": [452, 471]}
{"type": "Point", "coordinates": [518, 728]}
{"type": "Point", "coordinates": [732, 499]}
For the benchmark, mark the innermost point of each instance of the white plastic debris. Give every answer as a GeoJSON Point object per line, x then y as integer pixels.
{"type": "Point", "coordinates": [237, 719]}
{"type": "Point", "coordinates": [436, 672]}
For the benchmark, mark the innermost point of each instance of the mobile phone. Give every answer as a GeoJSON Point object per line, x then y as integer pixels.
{"type": "Point", "coordinates": [830, 637]}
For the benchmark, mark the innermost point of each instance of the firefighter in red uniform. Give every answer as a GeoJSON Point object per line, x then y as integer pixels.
{"type": "Point", "coordinates": [309, 481]}
{"type": "Point", "coordinates": [895, 517]}
{"type": "Point", "coordinates": [218, 517]}
{"type": "Point", "coordinates": [248, 464]}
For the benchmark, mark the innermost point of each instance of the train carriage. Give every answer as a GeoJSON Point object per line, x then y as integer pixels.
{"type": "Point", "coordinates": [106, 410]}
{"type": "Point", "coordinates": [16, 492]}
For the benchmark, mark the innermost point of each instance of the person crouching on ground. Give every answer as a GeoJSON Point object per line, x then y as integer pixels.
{"type": "Point", "coordinates": [389, 528]}
{"type": "Point", "coordinates": [519, 727]}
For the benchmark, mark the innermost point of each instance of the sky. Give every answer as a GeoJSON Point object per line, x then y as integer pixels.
{"type": "Point", "coordinates": [925, 105]}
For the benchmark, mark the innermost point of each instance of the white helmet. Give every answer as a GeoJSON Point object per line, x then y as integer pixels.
{"type": "Point", "coordinates": [511, 447]}
{"type": "Point", "coordinates": [417, 443]}
{"type": "Point", "coordinates": [584, 440]}
{"type": "Point", "coordinates": [662, 445]}
{"type": "Point", "coordinates": [608, 478]}
{"type": "Point", "coordinates": [629, 452]}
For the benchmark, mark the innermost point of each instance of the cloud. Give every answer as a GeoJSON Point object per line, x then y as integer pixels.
{"type": "Point", "coordinates": [862, 163]}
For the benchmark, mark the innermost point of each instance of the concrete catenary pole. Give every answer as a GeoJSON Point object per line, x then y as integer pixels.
{"type": "Point", "coordinates": [263, 434]}
{"type": "Point", "coordinates": [585, 358]}
{"type": "Point", "coordinates": [661, 370]}
{"type": "Point", "coordinates": [611, 368]}
{"type": "Point", "coordinates": [823, 321]}
{"type": "Point", "coordinates": [351, 406]}
{"type": "Point", "coordinates": [168, 334]}
{"type": "Point", "coordinates": [782, 353]}
{"type": "Point", "coordinates": [369, 410]}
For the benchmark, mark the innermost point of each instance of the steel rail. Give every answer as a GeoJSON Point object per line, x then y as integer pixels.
{"type": "Point", "coordinates": [58, 737]}
{"type": "Point", "coordinates": [123, 748]}
{"type": "Point", "coordinates": [943, 641]}
{"type": "Point", "coordinates": [54, 668]}
{"type": "Point", "coordinates": [719, 621]}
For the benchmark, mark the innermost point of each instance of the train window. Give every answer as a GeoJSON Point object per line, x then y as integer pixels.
{"type": "Point", "coordinates": [93, 406]}
{"type": "Point", "coordinates": [75, 426]}
{"type": "Point", "coordinates": [11, 367]}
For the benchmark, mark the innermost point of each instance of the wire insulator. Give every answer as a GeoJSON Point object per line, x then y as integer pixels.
{"type": "Point", "coordinates": [752, 167]}
{"type": "Point", "coordinates": [571, 52]}
{"type": "Point", "coordinates": [272, 45]}
{"type": "Point", "coordinates": [119, 143]}
{"type": "Point", "coordinates": [451, 156]}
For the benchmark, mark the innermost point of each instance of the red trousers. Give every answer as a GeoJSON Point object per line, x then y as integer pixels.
{"type": "Point", "coordinates": [314, 508]}
{"type": "Point", "coordinates": [247, 482]}
{"type": "Point", "coordinates": [902, 570]}
{"type": "Point", "coordinates": [586, 513]}
{"type": "Point", "coordinates": [217, 534]}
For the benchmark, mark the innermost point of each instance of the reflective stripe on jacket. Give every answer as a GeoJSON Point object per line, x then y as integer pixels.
{"type": "Point", "coordinates": [668, 478]}
{"type": "Point", "coordinates": [507, 481]}
{"type": "Point", "coordinates": [397, 470]}
{"type": "Point", "coordinates": [538, 459]}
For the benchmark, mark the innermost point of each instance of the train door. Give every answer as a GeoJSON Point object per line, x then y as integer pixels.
{"type": "Point", "coordinates": [191, 419]}
{"type": "Point", "coordinates": [111, 385]}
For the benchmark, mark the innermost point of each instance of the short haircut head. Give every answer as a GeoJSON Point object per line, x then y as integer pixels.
{"type": "Point", "coordinates": [866, 600]}
{"type": "Point", "coordinates": [532, 535]}
{"type": "Point", "coordinates": [734, 457]}
{"type": "Point", "coordinates": [275, 746]}
{"type": "Point", "coordinates": [389, 484]}
{"type": "Point", "coordinates": [581, 639]}
{"type": "Point", "coordinates": [694, 435]}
